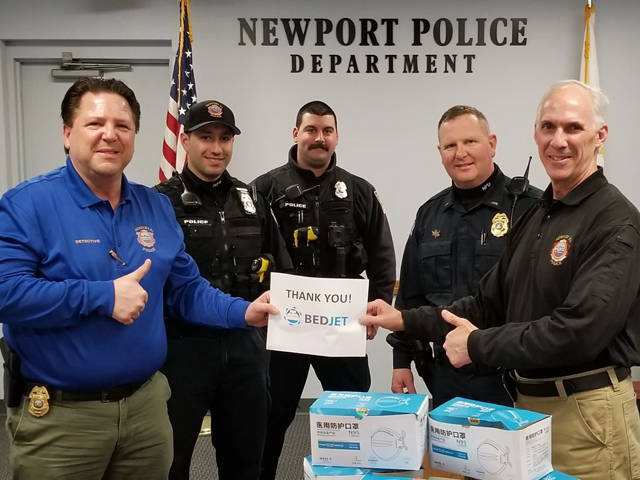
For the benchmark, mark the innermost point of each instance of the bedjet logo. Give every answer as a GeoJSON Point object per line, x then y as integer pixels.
{"type": "Point", "coordinates": [295, 317]}
{"type": "Point", "coordinates": [292, 315]}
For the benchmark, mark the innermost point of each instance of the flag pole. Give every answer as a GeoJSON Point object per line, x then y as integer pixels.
{"type": "Point", "coordinates": [589, 72]}
{"type": "Point", "coordinates": [182, 94]}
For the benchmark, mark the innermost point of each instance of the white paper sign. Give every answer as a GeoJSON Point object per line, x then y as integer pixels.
{"type": "Point", "coordinates": [318, 316]}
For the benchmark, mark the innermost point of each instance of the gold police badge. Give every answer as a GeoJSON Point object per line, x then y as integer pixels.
{"type": "Point", "coordinates": [38, 401]}
{"type": "Point", "coordinates": [499, 224]}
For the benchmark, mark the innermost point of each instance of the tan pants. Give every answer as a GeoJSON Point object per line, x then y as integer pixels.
{"type": "Point", "coordinates": [595, 434]}
{"type": "Point", "coordinates": [128, 439]}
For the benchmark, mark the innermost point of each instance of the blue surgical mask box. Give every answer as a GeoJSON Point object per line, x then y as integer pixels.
{"type": "Point", "coordinates": [488, 441]}
{"type": "Point", "coordinates": [316, 472]}
{"type": "Point", "coordinates": [557, 475]}
{"type": "Point", "coordinates": [369, 430]}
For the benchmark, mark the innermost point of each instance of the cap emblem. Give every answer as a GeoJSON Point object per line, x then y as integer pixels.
{"type": "Point", "coordinates": [215, 110]}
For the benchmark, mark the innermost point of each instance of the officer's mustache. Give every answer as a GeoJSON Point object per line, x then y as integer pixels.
{"type": "Point", "coordinates": [319, 145]}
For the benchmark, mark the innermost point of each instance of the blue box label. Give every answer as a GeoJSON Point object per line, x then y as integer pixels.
{"type": "Point", "coordinates": [450, 453]}
{"type": "Point", "coordinates": [339, 445]}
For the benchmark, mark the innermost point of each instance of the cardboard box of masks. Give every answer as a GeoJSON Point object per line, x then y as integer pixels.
{"type": "Point", "coordinates": [315, 472]}
{"type": "Point", "coordinates": [369, 430]}
{"type": "Point", "coordinates": [488, 441]}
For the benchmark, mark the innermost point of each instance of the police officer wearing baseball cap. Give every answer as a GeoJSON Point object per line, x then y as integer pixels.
{"type": "Point", "coordinates": [207, 113]}
{"type": "Point", "coordinates": [230, 232]}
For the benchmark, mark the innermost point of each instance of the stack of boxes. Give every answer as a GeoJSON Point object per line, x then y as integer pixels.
{"type": "Point", "coordinates": [370, 433]}
{"type": "Point", "coordinates": [367, 436]}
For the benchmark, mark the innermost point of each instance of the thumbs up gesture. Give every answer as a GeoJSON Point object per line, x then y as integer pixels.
{"type": "Point", "coordinates": [130, 297]}
{"type": "Point", "coordinates": [455, 344]}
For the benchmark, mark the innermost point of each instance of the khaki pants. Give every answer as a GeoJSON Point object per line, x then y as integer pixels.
{"type": "Point", "coordinates": [595, 434]}
{"type": "Point", "coordinates": [128, 439]}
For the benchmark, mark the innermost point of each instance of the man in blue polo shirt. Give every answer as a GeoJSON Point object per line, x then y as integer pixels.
{"type": "Point", "coordinates": [87, 260]}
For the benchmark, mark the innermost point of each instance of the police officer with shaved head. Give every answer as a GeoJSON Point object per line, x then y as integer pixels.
{"type": "Point", "coordinates": [457, 236]}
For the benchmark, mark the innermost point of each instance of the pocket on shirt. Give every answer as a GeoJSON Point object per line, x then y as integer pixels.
{"type": "Point", "coordinates": [486, 256]}
{"type": "Point", "coordinates": [204, 230]}
{"type": "Point", "coordinates": [435, 266]}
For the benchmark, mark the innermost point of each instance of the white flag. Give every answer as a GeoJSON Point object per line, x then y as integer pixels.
{"type": "Point", "coordinates": [589, 73]}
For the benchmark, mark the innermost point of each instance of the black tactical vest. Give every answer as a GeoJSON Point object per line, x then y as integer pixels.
{"type": "Point", "coordinates": [223, 240]}
{"type": "Point", "coordinates": [318, 226]}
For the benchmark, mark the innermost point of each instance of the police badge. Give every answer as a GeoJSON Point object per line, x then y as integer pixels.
{"type": "Point", "coordinates": [246, 201]}
{"type": "Point", "coordinates": [38, 401]}
{"type": "Point", "coordinates": [499, 224]}
{"type": "Point", "coordinates": [341, 189]}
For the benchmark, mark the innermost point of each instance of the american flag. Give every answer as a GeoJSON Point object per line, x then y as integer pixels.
{"type": "Point", "coordinates": [181, 95]}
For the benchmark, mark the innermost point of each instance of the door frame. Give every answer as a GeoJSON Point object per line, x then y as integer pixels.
{"type": "Point", "coordinates": [15, 53]}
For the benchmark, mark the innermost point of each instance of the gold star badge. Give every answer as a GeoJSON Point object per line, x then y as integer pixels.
{"type": "Point", "coordinates": [435, 233]}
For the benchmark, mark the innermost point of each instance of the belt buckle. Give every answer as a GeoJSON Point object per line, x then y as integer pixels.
{"type": "Point", "coordinates": [105, 397]}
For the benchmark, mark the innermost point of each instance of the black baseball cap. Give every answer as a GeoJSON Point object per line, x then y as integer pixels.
{"type": "Point", "coordinates": [209, 111]}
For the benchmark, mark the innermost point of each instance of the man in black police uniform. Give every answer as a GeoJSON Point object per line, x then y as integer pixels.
{"type": "Point", "coordinates": [333, 226]}
{"type": "Point", "coordinates": [232, 235]}
{"type": "Point", "coordinates": [458, 235]}
{"type": "Point", "coordinates": [561, 307]}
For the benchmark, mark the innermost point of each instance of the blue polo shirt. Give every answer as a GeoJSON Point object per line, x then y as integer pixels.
{"type": "Point", "coordinates": [56, 281]}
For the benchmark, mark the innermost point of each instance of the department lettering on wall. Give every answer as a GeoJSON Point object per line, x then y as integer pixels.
{"type": "Point", "coordinates": [423, 54]}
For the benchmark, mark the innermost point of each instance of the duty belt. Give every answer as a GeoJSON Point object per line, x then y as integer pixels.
{"type": "Point", "coordinates": [548, 388]}
{"type": "Point", "coordinates": [114, 394]}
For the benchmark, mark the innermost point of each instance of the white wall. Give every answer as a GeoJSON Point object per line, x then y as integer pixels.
{"type": "Point", "coordinates": [3, 130]}
{"type": "Point", "coordinates": [386, 121]}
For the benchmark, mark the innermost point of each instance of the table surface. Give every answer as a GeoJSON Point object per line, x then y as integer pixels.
{"type": "Point", "coordinates": [433, 474]}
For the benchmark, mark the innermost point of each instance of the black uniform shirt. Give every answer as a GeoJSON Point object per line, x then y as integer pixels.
{"type": "Point", "coordinates": [214, 196]}
{"type": "Point", "coordinates": [451, 247]}
{"type": "Point", "coordinates": [565, 296]}
{"type": "Point", "coordinates": [371, 223]}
